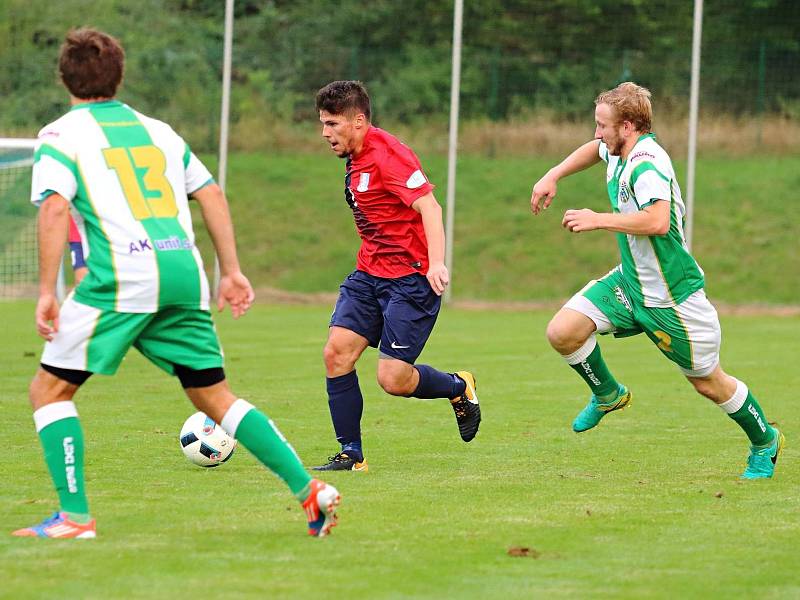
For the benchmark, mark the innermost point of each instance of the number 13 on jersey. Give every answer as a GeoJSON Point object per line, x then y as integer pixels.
{"type": "Point", "coordinates": [149, 195]}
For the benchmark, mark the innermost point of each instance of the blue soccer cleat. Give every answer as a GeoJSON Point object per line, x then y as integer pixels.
{"type": "Point", "coordinates": [761, 462]}
{"type": "Point", "coordinates": [594, 411]}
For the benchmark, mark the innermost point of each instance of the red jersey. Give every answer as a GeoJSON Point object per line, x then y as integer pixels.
{"type": "Point", "coordinates": [74, 234]}
{"type": "Point", "coordinates": [381, 184]}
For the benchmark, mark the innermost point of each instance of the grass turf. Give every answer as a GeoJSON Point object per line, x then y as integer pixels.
{"type": "Point", "coordinates": [296, 233]}
{"type": "Point", "coordinates": [648, 504]}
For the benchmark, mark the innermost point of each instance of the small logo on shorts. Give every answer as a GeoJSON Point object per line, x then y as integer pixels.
{"type": "Point", "coordinates": [622, 299]}
{"type": "Point", "coordinates": [396, 347]}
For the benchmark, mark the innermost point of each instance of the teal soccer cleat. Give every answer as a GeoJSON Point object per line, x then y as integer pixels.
{"type": "Point", "coordinates": [761, 462]}
{"type": "Point", "coordinates": [594, 411]}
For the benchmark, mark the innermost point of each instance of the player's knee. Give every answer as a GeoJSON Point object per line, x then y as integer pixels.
{"type": "Point", "coordinates": [561, 337]}
{"type": "Point", "coordinates": [705, 387]}
{"type": "Point", "coordinates": [36, 393]}
{"type": "Point", "coordinates": [393, 384]}
{"type": "Point", "coordinates": [329, 355]}
{"type": "Point", "coordinates": [337, 360]}
{"type": "Point", "coordinates": [46, 388]}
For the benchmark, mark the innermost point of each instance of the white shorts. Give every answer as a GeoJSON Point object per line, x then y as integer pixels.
{"type": "Point", "coordinates": [688, 334]}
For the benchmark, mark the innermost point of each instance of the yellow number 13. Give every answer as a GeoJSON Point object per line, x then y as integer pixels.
{"type": "Point", "coordinates": [124, 161]}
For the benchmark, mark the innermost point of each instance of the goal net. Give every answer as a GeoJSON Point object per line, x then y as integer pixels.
{"type": "Point", "coordinates": [18, 252]}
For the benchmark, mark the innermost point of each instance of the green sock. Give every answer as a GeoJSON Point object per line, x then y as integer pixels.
{"type": "Point", "coordinates": [751, 418]}
{"type": "Point", "coordinates": [62, 441]}
{"type": "Point", "coordinates": [259, 435]}
{"type": "Point", "coordinates": [593, 370]}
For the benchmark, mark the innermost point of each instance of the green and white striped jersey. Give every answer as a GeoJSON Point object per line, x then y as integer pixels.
{"type": "Point", "coordinates": [657, 270]}
{"type": "Point", "coordinates": [127, 178]}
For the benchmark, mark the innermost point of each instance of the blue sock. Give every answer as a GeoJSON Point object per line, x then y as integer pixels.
{"type": "Point", "coordinates": [346, 405]}
{"type": "Point", "coordinates": [436, 384]}
{"type": "Point", "coordinates": [353, 450]}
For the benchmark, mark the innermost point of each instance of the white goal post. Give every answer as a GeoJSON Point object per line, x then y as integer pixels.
{"type": "Point", "coordinates": [19, 268]}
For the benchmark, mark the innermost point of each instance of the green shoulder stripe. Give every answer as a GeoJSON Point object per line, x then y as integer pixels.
{"type": "Point", "coordinates": [187, 155]}
{"type": "Point", "coordinates": [643, 167]}
{"type": "Point", "coordinates": [47, 150]}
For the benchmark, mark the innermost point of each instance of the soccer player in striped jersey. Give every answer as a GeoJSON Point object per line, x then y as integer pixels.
{"type": "Point", "coordinates": [392, 299]}
{"type": "Point", "coordinates": [126, 179]}
{"type": "Point", "coordinates": [659, 287]}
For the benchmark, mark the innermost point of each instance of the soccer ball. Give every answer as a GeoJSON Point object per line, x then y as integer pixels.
{"type": "Point", "coordinates": [204, 442]}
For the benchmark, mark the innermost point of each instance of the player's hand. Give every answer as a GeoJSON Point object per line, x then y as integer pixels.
{"type": "Point", "coordinates": [235, 289]}
{"type": "Point", "coordinates": [47, 316]}
{"type": "Point", "coordinates": [543, 193]}
{"type": "Point", "coordinates": [584, 219]}
{"type": "Point", "coordinates": [438, 278]}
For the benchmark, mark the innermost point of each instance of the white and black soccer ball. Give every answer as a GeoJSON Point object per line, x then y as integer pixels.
{"type": "Point", "coordinates": [204, 442]}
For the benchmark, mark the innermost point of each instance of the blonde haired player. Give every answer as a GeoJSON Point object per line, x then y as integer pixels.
{"type": "Point", "coordinates": [658, 288]}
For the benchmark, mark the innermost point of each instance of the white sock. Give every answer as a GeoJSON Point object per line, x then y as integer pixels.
{"type": "Point", "coordinates": [55, 411]}
{"type": "Point", "coordinates": [737, 400]}
{"type": "Point", "coordinates": [582, 353]}
{"type": "Point", "coordinates": [234, 416]}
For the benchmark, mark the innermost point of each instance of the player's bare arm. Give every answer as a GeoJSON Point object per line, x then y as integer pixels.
{"type": "Point", "coordinates": [651, 220]}
{"type": "Point", "coordinates": [431, 213]}
{"type": "Point", "coordinates": [234, 287]}
{"type": "Point", "coordinates": [53, 228]}
{"type": "Point", "coordinates": [79, 273]}
{"type": "Point", "coordinates": [544, 191]}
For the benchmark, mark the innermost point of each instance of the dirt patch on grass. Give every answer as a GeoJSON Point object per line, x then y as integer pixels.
{"type": "Point", "coordinates": [538, 134]}
{"type": "Point", "coordinates": [523, 551]}
{"type": "Point", "coordinates": [276, 296]}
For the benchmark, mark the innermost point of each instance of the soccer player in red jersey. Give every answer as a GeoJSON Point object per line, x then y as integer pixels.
{"type": "Point", "coordinates": [79, 268]}
{"type": "Point", "coordinates": [392, 299]}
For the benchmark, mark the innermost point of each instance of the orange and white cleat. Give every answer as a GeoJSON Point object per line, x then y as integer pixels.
{"type": "Point", "coordinates": [320, 506]}
{"type": "Point", "coordinates": [59, 526]}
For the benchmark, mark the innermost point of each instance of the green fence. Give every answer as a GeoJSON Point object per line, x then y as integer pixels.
{"type": "Point", "coordinates": [520, 57]}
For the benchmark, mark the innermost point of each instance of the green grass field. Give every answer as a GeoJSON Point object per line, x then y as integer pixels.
{"type": "Point", "coordinates": [647, 505]}
{"type": "Point", "coordinates": [295, 231]}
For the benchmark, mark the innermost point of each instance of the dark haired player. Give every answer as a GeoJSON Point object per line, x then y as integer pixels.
{"type": "Point", "coordinates": [128, 179]}
{"type": "Point", "coordinates": [392, 299]}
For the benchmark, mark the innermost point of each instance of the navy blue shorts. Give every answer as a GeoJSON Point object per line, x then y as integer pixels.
{"type": "Point", "coordinates": [76, 253]}
{"type": "Point", "coordinates": [399, 314]}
